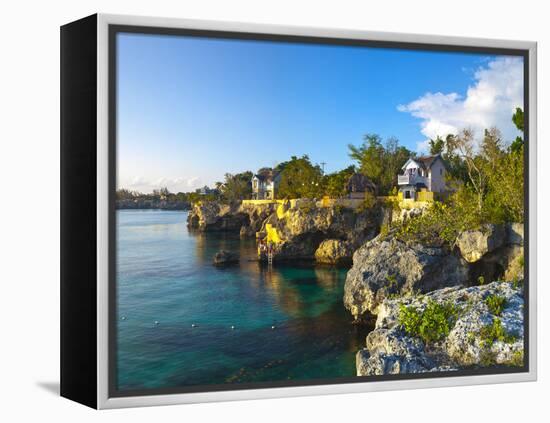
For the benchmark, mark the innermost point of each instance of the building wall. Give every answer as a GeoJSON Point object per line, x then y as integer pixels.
{"type": "Point", "coordinates": [437, 177]}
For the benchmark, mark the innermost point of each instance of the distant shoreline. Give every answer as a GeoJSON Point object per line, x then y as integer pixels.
{"type": "Point", "coordinates": [151, 205]}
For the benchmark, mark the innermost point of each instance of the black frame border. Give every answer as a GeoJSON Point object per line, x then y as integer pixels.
{"type": "Point", "coordinates": [115, 29]}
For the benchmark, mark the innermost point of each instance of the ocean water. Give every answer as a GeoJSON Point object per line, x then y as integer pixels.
{"type": "Point", "coordinates": [289, 322]}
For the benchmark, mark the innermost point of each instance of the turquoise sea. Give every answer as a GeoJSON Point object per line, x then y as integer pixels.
{"type": "Point", "coordinates": [289, 322]}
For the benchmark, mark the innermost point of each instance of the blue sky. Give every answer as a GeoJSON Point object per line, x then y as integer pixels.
{"type": "Point", "coordinates": [191, 109]}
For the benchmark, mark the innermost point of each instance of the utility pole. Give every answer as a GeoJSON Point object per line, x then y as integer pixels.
{"type": "Point", "coordinates": [323, 167]}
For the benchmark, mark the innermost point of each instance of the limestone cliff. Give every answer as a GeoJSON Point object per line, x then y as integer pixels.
{"type": "Point", "coordinates": [478, 333]}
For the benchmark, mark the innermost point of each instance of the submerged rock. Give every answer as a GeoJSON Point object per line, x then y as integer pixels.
{"type": "Point", "coordinates": [480, 335]}
{"type": "Point", "coordinates": [387, 267]}
{"type": "Point", "coordinates": [223, 258]}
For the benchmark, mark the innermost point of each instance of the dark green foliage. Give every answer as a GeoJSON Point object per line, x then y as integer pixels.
{"type": "Point", "coordinates": [443, 222]}
{"type": "Point", "coordinates": [334, 184]}
{"type": "Point", "coordinates": [437, 146]}
{"type": "Point", "coordinates": [494, 332]}
{"type": "Point", "coordinates": [380, 163]}
{"type": "Point", "coordinates": [300, 179]}
{"type": "Point", "coordinates": [432, 324]}
{"type": "Point", "coordinates": [495, 304]}
{"type": "Point", "coordinates": [236, 187]}
{"type": "Point", "coordinates": [518, 119]}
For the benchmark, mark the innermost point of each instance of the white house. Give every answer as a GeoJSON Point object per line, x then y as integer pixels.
{"type": "Point", "coordinates": [265, 184]}
{"type": "Point", "coordinates": [425, 173]}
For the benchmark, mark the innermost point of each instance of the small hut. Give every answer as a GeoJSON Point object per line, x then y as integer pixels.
{"type": "Point", "coordinates": [358, 184]}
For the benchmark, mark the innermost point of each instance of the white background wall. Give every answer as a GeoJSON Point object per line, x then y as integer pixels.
{"type": "Point", "coordinates": [29, 166]}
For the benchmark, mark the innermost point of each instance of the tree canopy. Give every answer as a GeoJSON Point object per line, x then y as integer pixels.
{"type": "Point", "coordinates": [300, 179]}
{"type": "Point", "coordinates": [380, 162]}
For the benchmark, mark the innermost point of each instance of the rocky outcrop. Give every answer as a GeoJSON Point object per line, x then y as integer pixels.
{"type": "Point", "coordinates": [225, 258]}
{"type": "Point", "coordinates": [474, 244]}
{"type": "Point", "coordinates": [211, 216]}
{"type": "Point", "coordinates": [480, 333]}
{"type": "Point", "coordinates": [334, 251]}
{"type": "Point", "coordinates": [494, 251]}
{"type": "Point", "coordinates": [328, 234]}
{"type": "Point", "coordinates": [386, 267]}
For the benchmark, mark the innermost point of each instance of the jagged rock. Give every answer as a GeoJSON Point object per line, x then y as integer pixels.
{"type": "Point", "coordinates": [211, 216]}
{"type": "Point", "coordinates": [386, 267]}
{"type": "Point", "coordinates": [389, 349]}
{"type": "Point", "coordinates": [474, 244]}
{"type": "Point", "coordinates": [514, 233]}
{"type": "Point", "coordinates": [304, 228]}
{"type": "Point", "coordinates": [334, 251]}
{"type": "Point", "coordinates": [224, 258]}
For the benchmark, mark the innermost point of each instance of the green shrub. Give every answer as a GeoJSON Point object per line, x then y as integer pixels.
{"type": "Point", "coordinates": [517, 359]}
{"type": "Point", "coordinates": [432, 324]}
{"type": "Point", "coordinates": [384, 230]}
{"type": "Point", "coordinates": [495, 304]}
{"type": "Point", "coordinates": [494, 332]}
{"type": "Point", "coordinates": [443, 222]}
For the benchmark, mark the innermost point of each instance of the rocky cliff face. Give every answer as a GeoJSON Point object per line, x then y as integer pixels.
{"type": "Point", "coordinates": [327, 234]}
{"type": "Point", "coordinates": [212, 216]}
{"type": "Point", "coordinates": [386, 267]}
{"type": "Point", "coordinates": [480, 333]}
{"type": "Point", "coordinates": [302, 231]}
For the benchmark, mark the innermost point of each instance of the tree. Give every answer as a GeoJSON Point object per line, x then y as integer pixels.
{"type": "Point", "coordinates": [437, 146]}
{"type": "Point", "coordinates": [237, 187]}
{"type": "Point", "coordinates": [463, 145]}
{"type": "Point", "coordinates": [300, 179]}
{"type": "Point", "coordinates": [334, 184]}
{"type": "Point", "coordinates": [517, 118]}
{"type": "Point", "coordinates": [380, 163]}
{"type": "Point", "coordinates": [491, 147]}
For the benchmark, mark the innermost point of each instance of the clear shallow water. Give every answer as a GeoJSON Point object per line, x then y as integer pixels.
{"type": "Point", "coordinates": [165, 274]}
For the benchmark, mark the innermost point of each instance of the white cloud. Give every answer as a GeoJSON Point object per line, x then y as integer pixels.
{"type": "Point", "coordinates": [177, 184]}
{"type": "Point", "coordinates": [491, 100]}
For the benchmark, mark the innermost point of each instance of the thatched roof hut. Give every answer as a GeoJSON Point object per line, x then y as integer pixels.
{"type": "Point", "coordinates": [358, 183]}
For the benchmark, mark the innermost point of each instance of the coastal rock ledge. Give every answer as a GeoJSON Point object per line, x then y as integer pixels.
{"type": "Point", "coordinates": [385, 268]}
{"type": "Point", "coordinates": [481, 335]}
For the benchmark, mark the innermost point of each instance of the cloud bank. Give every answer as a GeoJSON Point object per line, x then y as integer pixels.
{"type": "Point", "coordinates": [491, 101]}
{"type": "Point", "coordinates": [177, 184]}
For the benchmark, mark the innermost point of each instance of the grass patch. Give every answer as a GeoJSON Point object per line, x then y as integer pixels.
{"type": "Point", "coordinates": [432, 324]}
{"type": "Point", "coordinates": [495, 304]}
{"type": "Point", "coordinates": [494, 332]}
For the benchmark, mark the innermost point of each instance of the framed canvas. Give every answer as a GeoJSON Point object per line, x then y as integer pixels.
{"type": "Point", "coordinates": [254, 211]}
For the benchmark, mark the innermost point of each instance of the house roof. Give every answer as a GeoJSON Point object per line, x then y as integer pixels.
{"type": "Point", "coordinates": [360, 183]}
{"type": "Point", "coordinates": [266, 174]}
{"type": "Point", "coordinates": [425, 162]}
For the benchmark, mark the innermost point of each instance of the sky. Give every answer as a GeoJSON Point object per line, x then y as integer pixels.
{"type": "Point", "coordinates": [191, 109]}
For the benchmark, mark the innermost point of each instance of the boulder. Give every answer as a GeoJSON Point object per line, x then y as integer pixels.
{"type": "Point", "coordinates": [390, 349]}
{"type": "Point", "coordinates": [385, 267]}
{"type": "Point", "coordinates": [224, 258]}
{"type": "Point", "coordinates": [474, 244]}
{"type": "Point", "coordinates": [334, 251]}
